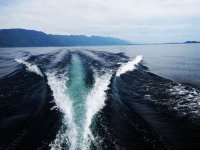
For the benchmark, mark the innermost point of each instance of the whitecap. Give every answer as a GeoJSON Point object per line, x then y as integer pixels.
{"type": "Point", "coordinates": [30, 67]}
{"type": "Point", "coordinates": [129, 66]}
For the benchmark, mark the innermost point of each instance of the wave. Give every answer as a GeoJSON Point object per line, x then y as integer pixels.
{"type": "Point", "coordinates": [67, 133]}
{"type": "Point", "coordinates": [30, 67]}
{"type": "Point", "coordinates": [95, 101]}
{"type": "Point", "coordinates": [129, 66]}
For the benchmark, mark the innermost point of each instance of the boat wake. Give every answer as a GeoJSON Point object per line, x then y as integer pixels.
{"type": "Point", "coordinates": [94, 100]}
{"type": "Point", "coordinates": [67, 134]}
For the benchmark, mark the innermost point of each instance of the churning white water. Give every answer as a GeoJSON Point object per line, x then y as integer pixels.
{"type": "Point", "coordinates": [78, 104]}
{"type": "Point", "coordinates": [67, 135]}
{"type": "Point", "coordinates": [129, 66]}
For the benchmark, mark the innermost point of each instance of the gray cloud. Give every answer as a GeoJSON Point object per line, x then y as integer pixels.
{"type": "Point", "coordinates": [135, 20]}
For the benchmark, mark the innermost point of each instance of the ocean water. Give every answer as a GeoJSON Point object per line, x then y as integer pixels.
{"type": "Point", "coordinates": [138, 97]}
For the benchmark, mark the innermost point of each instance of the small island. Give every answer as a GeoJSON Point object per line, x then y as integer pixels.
{"type": "Point", "coordinates": [189, 42]}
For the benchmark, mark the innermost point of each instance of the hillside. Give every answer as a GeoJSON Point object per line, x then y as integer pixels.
{"type": "Point", "coordinates": [31, 38]}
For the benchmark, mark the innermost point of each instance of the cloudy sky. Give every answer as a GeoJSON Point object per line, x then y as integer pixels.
{"type": "Point", "coordinates": [135, 20]}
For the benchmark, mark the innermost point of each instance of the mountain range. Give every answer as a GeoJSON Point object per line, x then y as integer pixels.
{"type": "Point", "coordinates": [32, 38]}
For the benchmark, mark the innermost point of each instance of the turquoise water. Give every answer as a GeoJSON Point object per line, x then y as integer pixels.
{"type": "Point", "coordinates": [78, 90]}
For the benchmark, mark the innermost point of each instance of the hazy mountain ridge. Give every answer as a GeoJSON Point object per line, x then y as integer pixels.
{"type": "Point", "coordinates": [32, 38]}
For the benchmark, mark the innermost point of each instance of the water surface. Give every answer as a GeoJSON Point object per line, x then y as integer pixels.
{"type": "Point", "coordinates": [117, 97]}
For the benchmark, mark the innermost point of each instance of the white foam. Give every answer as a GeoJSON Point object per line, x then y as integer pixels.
{"type": "Point", "coordinates": [95, 101]}
{"type": "Point", "coordinates": [188, 99]}
{"type": "Point", "coordinates": [59, 56]}
{"type": "Point", "coordinates": [68, 132]}
{"type": "Point", "coordinates": [129, 66]}
{"type": "Point", "coordinates": [93, 55]}
{"type": "Point", "coordinates": [30, 67]}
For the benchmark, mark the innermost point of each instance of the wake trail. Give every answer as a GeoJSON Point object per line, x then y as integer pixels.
{"type": "Point", "coordinates": [78, 103]}
{"type": "Point", "coordinates": [95, 101]}
{"type": "Point", "coordinates": [67, 135]}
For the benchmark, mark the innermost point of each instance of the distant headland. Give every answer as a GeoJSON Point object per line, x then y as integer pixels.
{"type": "Point", "coordinates": [188, 42]}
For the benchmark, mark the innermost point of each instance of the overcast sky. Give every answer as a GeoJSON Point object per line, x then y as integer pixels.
{"type": "Point", "coordinates": [134, 20]}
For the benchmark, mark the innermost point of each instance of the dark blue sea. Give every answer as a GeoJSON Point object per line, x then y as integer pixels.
{"type": "Point", "coordinates": [140, 97]}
